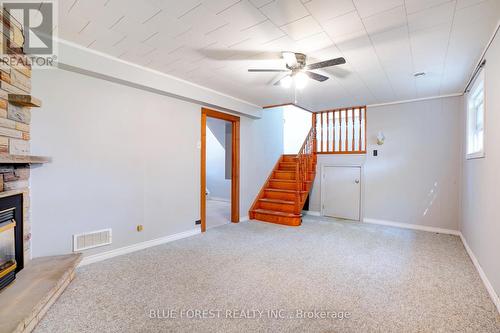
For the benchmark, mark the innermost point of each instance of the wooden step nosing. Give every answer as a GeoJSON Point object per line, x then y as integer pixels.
{"type": "Point", "coordinates": [278, 201]}
{"type": "Point", "coordinates": [283, 180]}
{"type": "Point", "coordinates": [276, 213]}
{"type": "Point", "coordinates": [283, 190]}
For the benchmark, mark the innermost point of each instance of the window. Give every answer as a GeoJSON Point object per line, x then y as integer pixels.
{"type": "Point", "coordinates": [475, 119]}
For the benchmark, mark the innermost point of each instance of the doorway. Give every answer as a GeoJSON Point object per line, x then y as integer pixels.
{"type": "Point", "coordinates": [232, 132]}
{"type": "Point", "coordinates": [341, 192]}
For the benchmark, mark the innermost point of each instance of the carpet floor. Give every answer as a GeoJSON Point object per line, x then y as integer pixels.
{"type": "Point", "coordinates": [325, 276]}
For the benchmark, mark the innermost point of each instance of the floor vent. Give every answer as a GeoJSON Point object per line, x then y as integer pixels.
{"type": "Point", "coordinates": [92, 239]}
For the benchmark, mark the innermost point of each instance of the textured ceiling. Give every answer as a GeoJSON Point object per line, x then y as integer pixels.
{"type": "Point", "coordinates": [214, 42]}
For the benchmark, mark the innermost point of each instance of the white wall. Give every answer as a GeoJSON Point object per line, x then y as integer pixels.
{"type": "Point", "coordinates": [217, 184]}
{"type": "Point", "coordinates": [480, 223]}
{"type": "Point", "coordinates": [297, 124]}
{"type": "Point", "coordinates": [123, 156]}
{"type": "Point", "coordinates": [415, 178]}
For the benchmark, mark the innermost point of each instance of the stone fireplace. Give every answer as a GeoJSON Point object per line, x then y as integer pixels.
{"type": "Point", "coordinates": [16, 105]}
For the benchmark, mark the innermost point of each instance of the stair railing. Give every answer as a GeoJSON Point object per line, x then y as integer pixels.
{"type": "Point", "coordinates": [306, 161]}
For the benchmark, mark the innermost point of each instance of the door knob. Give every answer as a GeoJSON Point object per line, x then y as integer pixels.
{"type": "Point", "coordinates": [357, 181]}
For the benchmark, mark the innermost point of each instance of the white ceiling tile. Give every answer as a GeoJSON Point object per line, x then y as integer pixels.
{"type": "Point", "coordinates": [202, 20]}
{"type": "Point", "coordinates": [428, 85]}
{"type": "Point", "coordinates": [87, 9]}
{"type": "Point", "coordinates": [484, 11]}
{"type": "Point", "coordinates": [260, 3]}
{"type": "Point", "coordinates": [343, 25]}
{"type": "Point", "coordinates": [413, 6]}
{"type": "Point", "coordinates": [313, 43]}
{"type": "Point", "coordinates": [390, 19]}
{"type": "Point", "coordinates": [217, 6]}
{"type": "Point", "coordinates": [167, 25]}
{"type": "Point", "coordinates": [324, 10]}
{"type": "Point", "coordinates": [429, 47]}
{"type": "Point", "coordinates": [302, 28]}
{"type": "Point", "coordinates": [242, 15]}
{"type": "Point", "coordinates": [174, 8]}
{"type": "Point", "coordinates": [432, 17]}
{"type": "Point", "coordinates": [361, 34]}
{"type": "Point", "coordinates": [130, 9]}
{"type": "Point", "coordinates": [403, 83]}
{"type": "Point", "coordinates": [281, 12]}
{"type": "Point", "coordinates": [369, 7]}
{"type": "Point", "coordinates": [467, 3]}
{"type": "Point", "coordinates": [264, 32]}
{"type": "Point", "coordinates": [284, 43]}
{"type": "Point", "coordinates": [393, 49]}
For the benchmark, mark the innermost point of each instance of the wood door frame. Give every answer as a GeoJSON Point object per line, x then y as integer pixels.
{"type": "Point", "coordinates": [235, 165]}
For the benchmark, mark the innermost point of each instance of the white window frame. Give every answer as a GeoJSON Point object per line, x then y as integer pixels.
{"type": "Point", "coordinates": [477, 91]}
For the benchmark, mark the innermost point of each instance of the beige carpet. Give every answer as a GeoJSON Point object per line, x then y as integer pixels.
{"type": "Point", "coordinates": [218, 213]}
{"type": "Point", "coordinates": [383, 279]}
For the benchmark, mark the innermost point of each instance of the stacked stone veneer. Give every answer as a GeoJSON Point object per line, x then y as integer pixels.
{"type": "Point", "coordinates": [15, 78]}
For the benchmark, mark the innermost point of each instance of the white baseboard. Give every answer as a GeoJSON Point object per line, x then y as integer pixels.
{"type": "Point", "coordinates": [137, 247]}
{"type": "Point", "coordinates": [413, 226]}
{"type": "Point", "coordinates": [486, 282]}
{"type": "Point", "coordinates": [311, 212]}
{"type": "Point", "coordinates": [244, 218]}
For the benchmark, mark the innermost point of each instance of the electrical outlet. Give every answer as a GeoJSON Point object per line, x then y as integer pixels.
{"type": "Point", "coordinates": [140, 228]}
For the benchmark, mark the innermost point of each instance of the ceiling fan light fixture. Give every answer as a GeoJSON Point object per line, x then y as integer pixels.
{"type": "Point", "coordinates": [286, 82]}
{"type": "Point", "coordinates": [301, 80]}
{"type": "Point", "coordinates": [290, 58]}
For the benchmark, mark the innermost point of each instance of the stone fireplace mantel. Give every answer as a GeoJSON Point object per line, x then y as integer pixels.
{"type": "Point", "coordinates": [23, 159]}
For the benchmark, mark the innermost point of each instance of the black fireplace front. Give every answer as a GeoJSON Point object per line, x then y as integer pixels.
{"type": "Point", "coordinates": [11, 238]}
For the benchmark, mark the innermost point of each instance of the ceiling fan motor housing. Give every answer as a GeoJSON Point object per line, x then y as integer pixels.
{"type": "Point", "coordinates": [301, 62]}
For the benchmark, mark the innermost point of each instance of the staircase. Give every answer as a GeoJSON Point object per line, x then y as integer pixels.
{"type": "Point", "coordinates": [282, 197]}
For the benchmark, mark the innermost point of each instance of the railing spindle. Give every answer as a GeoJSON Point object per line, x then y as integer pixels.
{"type": "Point", "coordinates": [353, 132]}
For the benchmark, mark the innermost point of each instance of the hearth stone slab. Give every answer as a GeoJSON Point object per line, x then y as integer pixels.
{"type": "Point", "coordinates": [36, 288]}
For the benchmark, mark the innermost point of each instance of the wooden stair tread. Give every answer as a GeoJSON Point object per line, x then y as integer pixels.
{"type": "Point", "coordinates": [283, 180]}
{"type": "Point", "coordinates": [273, 212]}
{"type": "Point", "coordinates": [284, 202]}
{"type": "Point", "coordinates": [287, 180]}
{"type": "Point", "coordinates": [281, 190]}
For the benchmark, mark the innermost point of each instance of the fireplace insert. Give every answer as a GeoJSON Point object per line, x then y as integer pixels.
{"type": "Point", "coordinates": [11, 238]}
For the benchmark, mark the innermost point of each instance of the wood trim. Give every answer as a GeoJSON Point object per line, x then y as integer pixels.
{"type": "Point", "coordinates": [287, 104]}
{"type": "Point", "coordinates": [235, 172]}
{"type": "Point", "coordinates": [203, 176]}
{"type": "Point", "coordinates": [343, 152]}
{"type": "Point", "coordinates": [235, 165]}
{"type": "Point", "coordinates": [220, 115]}
{"type": "Point", "coordinates": [366, 129]}
{"type": "Point", "coordinates": [345, 108]}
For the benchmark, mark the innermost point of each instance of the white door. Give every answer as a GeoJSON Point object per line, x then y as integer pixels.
{"type": "Point", "coordinates": [341, 192]}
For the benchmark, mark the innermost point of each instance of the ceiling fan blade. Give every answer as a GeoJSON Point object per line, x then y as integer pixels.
{"type": "Point", "coordinates": [316, 76]}
{"type": "Point", "coordinates": [327, 63]}
{"type": "Point", "coordinates": [268, 70]}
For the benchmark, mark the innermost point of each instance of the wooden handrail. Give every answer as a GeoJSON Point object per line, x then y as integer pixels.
{"type": "Point", "coordinates": [306, 160]}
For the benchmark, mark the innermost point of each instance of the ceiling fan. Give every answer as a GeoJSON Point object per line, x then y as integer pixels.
{"type": "Point", "coordinates": [298, 70]}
